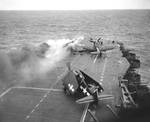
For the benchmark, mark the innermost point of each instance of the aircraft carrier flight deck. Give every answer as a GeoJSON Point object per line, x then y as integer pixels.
{"type": "Point", "coordinates": [45, 101]}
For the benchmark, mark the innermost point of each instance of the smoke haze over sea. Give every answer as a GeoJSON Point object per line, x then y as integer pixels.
{"type": "Point", "coordinates": [22, 31]}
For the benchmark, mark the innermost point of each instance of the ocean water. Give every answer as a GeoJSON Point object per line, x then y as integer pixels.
{"type": "Point", "coordinates": [19, 28]}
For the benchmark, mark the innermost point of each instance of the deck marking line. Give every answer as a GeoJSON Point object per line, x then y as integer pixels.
{"type": "Point", "coordinates": [44, 96]}
{"type": "Point", "coordinates": [32, 110]}
{"type": "Point", "coordinates": [111, 109]}
{"type": "Point", "coordinates": [84, 113]}
{"type": "Point", "coordinates": [36, 105]}
{"type": "Point", "coordinates": [36, 88]}
{"type": "Point", "coordinates": [5, 92]}
{"type": "Point", "coordinates": [104, 66]}
{"type": "Point", "coordinates": [41, 100]}
{"type": "Point", "coordinates": [103, 71]}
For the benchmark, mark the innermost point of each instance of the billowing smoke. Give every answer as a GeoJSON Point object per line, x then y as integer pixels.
{"type": "Point", "coordinates": [6, 68]}
{"type": "Point", "coordinates": [57, 52]}
{"type": "Point", "coordinates": [34, 62]}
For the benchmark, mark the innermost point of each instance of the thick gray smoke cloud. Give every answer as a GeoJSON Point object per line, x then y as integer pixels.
{"type": "Point", "coordinates": [29, 62]}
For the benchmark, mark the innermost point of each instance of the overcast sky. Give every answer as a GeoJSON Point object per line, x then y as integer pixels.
{"type": "Point", "coordinates": [73, 4]}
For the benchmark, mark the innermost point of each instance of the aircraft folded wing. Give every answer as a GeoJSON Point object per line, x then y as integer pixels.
{"type": "Point", "coordinates": [90, 98]}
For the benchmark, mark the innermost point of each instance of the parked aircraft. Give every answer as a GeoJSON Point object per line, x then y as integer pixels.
{"type": "Point", "coordinates": [99, 48]}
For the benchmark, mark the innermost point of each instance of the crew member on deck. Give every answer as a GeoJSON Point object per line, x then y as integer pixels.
{"type": "Point", "coordinates": [100, 42]}
{"type": "Point", "coordinates": [99, 39]}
